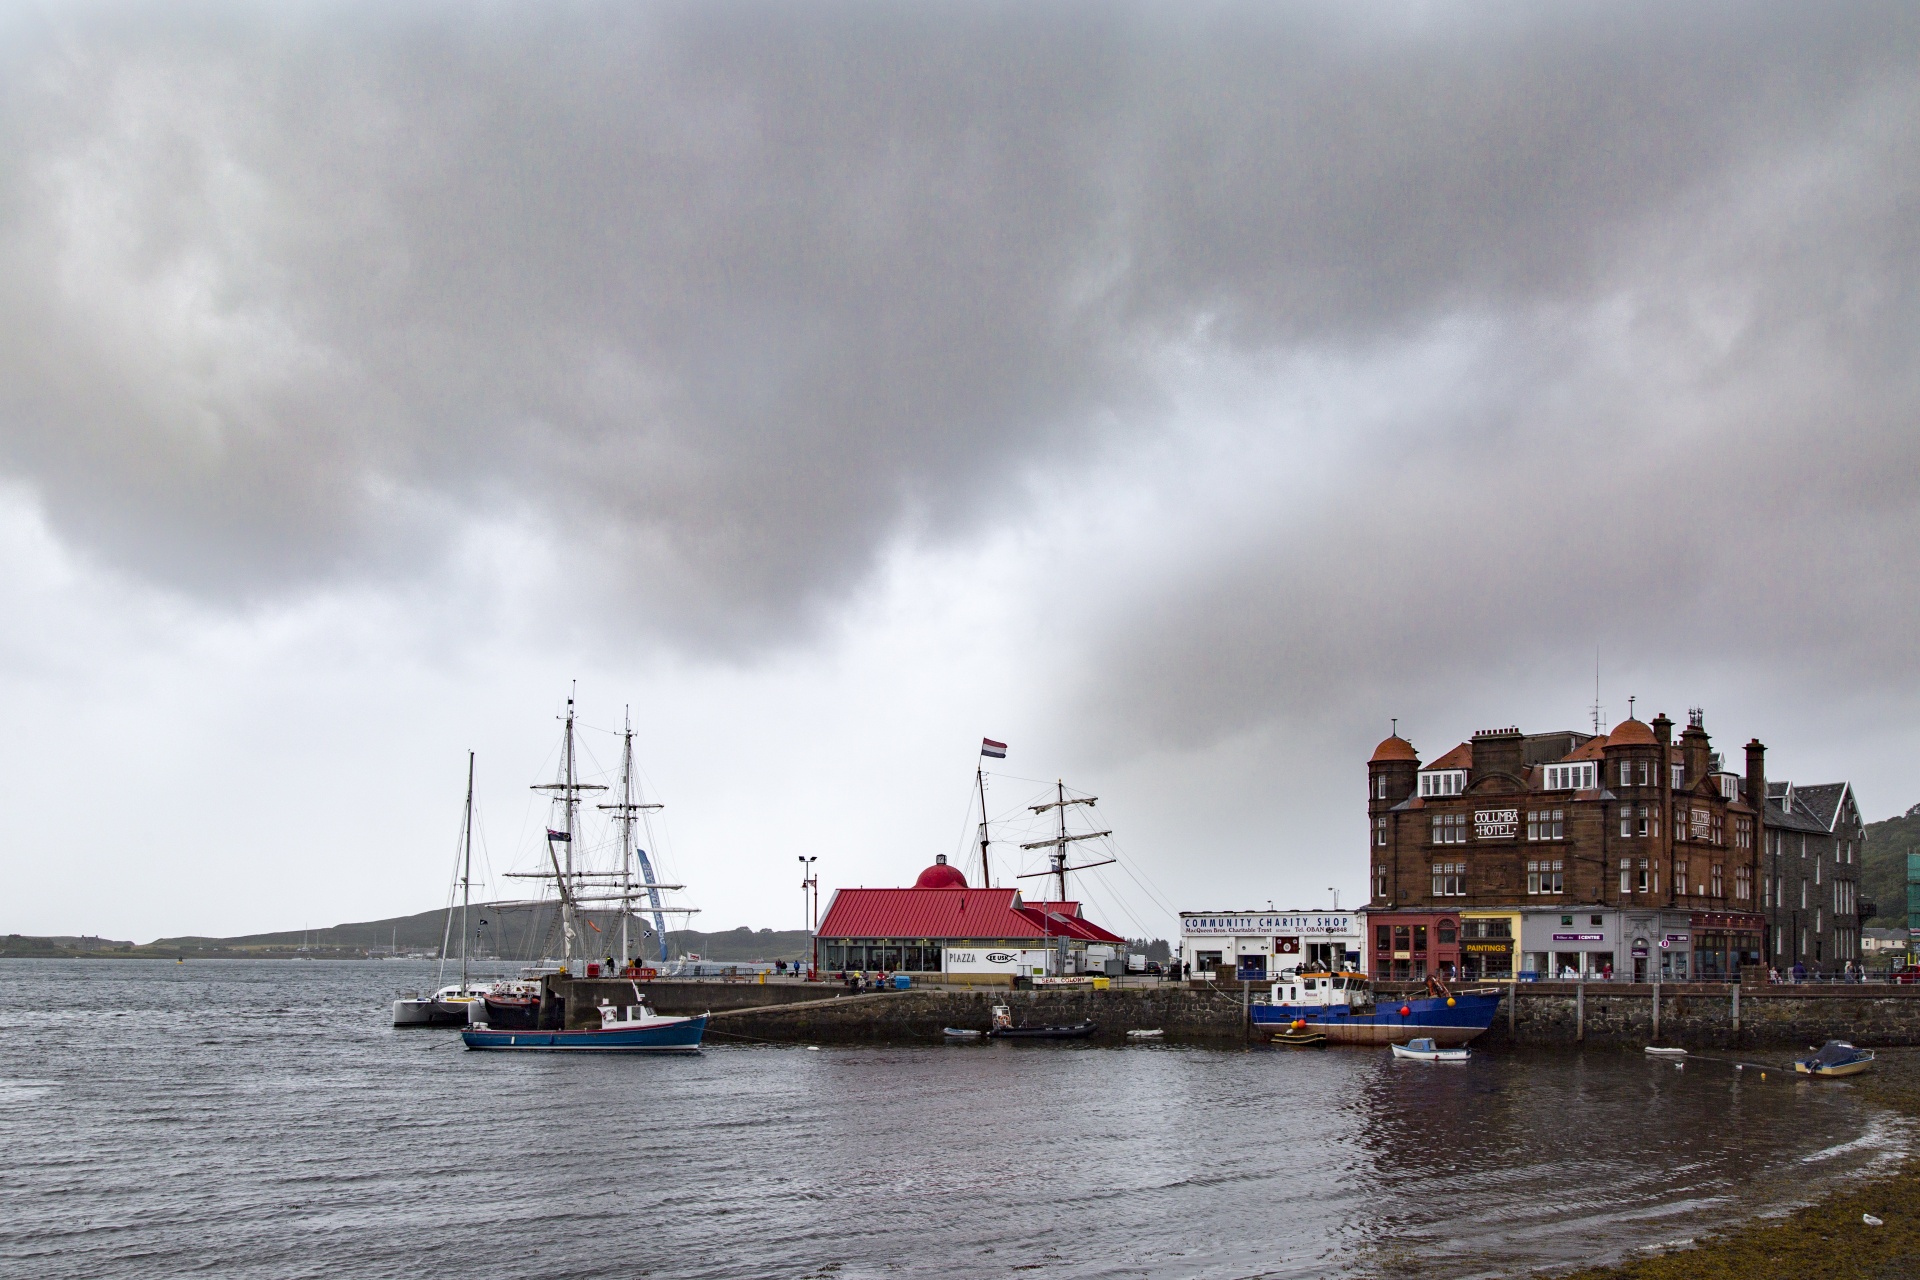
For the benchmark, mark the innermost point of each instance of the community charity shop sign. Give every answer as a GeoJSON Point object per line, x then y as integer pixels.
{"type": "Point", "coordinates": [1329, 924]}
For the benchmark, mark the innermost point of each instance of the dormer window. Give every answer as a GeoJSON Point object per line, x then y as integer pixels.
{"type": "Point", "coordinates": [1570, 777]}
{"type": "Point", "coordinates": [1443, 782]}
{"type": "Point", "coordinates": [1679, 777]}
{"type": "Point", "coordinates": [1730, 787]}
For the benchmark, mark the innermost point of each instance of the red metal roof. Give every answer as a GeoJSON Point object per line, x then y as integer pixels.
{"type": "Point", "coordinates": [1461, 757]}
{"type": "Point", "coordinates": [951, 913]}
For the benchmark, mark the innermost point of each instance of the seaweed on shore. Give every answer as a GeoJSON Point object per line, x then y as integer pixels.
{"type": "Point", "coordinates": [1827, 1239]}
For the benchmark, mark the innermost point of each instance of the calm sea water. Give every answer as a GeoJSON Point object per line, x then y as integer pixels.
{"type": "Point", "coordinates": [262, 1119]}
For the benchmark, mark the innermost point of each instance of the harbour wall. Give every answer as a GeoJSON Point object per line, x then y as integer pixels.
{"type": "Point", "coordinates": [1691, 1015]}
{"type": "Point", "coordinates": [1704, 1015]}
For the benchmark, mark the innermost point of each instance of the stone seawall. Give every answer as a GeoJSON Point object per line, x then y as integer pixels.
{"type": "Point", "coordinates": [1700, 1015]}
{"type": "Point", "coordinates": [921, 1015]}
{"type": "Point", "coordinates": [1692, 1015]}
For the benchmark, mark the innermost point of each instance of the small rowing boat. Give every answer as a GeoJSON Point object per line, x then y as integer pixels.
{"type": "Point", "coordinates": [1835, 1058]}
{"type": "Point", "coordinates": [1655, 1051]}
{"type": "Point", "coordinates": [1423, 1049]}
{"type": "Point", "coordinates": [1154, 1034]}
{"type": "Point", "coordinates": [960, 1033]}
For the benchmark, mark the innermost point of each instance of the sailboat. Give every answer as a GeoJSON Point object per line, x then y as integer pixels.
{"type": "Point", "coordinates": [449, 1006]}
{"type": "Point", "coordinates": [513, 1017]}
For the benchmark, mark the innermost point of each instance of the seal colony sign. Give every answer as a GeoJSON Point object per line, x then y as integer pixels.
{"type": "Point", "coordinates": [1496, 824]}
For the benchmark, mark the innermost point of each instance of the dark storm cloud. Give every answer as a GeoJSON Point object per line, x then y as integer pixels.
{"type": "Point", "coordinates": [730, 295]}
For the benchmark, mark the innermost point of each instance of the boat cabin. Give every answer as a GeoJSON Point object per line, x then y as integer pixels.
{"type": "Point", "coordinates": [1323, 990]}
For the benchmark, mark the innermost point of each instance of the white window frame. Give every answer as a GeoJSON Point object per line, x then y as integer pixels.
{"type": "Point", "coordinates": [1570, 777]}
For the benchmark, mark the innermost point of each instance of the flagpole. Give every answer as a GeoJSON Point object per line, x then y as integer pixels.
{"type": "Point", "coordinates": [980, 779]}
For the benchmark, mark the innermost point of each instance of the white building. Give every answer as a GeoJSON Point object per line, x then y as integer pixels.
{"type": "Point", "coordinates": [1258, 944]}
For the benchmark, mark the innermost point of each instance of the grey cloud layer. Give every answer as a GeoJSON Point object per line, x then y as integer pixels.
{"type": "Point", "coordinates": [727, 294]}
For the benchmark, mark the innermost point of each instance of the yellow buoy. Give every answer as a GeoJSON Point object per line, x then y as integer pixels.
{"type": "Point", "coordinates": [1449, 1002]}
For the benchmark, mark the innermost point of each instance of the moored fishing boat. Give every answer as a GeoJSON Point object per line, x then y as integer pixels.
{"type": "Point", "coordinates": [1835, 1058]}
{"type": "Point", "coordinates": [1341, 1007]}
{"type": "Point", "coordinates": [634, 1029]}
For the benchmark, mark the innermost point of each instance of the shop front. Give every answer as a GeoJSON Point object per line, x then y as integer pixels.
{"type": "Point", "coordinates": [1411, 946]}
{"type": "Point", "coordinates": [1570, 943]}
{"type": "Point", "coordinates": [1254, 946]}
{"type": "Point", "coordinates": [1487, 940]}
{"type": "Point", "coordinates": [1659, 945]}
{"type": "Point", "coordinates": [1723, 941]}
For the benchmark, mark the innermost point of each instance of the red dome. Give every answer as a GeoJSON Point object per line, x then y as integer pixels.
{"type": "Point", "coordinates": [941, 876]}
{"type": "Point", "coordinates": [1631, 733]}
{"type": "Point", "coordinates": [1394, 748]}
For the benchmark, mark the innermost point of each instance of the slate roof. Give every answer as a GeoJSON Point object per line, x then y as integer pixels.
{"type": "Point", "coordinates": [1823, 801]}
{"type": "Point", "coordinates": [1796, 816]}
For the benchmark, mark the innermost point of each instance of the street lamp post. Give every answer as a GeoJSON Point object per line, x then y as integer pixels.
{"type": "Point", "coordinates": [810, 905]}
{"type": "Point", "coordinates": [809, 894]}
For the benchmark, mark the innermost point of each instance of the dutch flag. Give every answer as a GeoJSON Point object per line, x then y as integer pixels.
{"type": "Point", "coordinates": [993, 750]}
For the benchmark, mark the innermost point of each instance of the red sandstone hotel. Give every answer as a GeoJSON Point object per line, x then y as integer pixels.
{"type": "Point", "coordinates": [1615, 856]}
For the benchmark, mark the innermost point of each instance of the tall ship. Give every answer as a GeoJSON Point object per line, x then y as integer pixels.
{"type": "Point", "coordinates": [1341, 1007]}
{"type": "Point", "coordinates": [608, 899]}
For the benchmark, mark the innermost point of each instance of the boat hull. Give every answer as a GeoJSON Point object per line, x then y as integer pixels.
{"type": "Point", "coordinates": [1449, 1027]}
{"type": "Point", "coordinates": [426, 1013]}
{"type": "Point", "coordinates": [681, 1035]}
{"type": "Point", "coordinates": [1075, 1031]}
{"type": "Point", "coordinates": [509, 1013]}
{"type": "Point", "coordinates": [1843, 1069]}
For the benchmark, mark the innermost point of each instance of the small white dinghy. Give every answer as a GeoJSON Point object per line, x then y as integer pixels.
{"type": "Point", "coordinates": [1424, 1049]}
{"type": "Point", "coordinates": [1655, 1051]}
{"type": "Point", "coordinates": [1154, 1034]}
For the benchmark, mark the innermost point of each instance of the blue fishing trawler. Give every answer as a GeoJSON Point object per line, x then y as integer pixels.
{"type": "Point", "coordinates": [635, 1029]}
{"type": "Point", "coordinates": [1341, 1006]}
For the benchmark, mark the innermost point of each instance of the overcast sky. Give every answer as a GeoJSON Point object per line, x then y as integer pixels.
{"type": "Point", "coordinates": [1176, 392]}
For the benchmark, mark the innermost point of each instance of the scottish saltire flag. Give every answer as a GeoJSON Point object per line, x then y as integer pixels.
{"type": "Point", "coordinates": [992, 749]}
{"type": "Point", "coordinates": [558, 835]}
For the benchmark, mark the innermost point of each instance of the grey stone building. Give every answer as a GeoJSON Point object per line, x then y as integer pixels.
{"type": "Point", "coordinates": [1811, 875]}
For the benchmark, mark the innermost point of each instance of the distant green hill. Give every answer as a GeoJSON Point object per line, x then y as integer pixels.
{"type": "Point", "coordinates": [514, 932]}
{"type": "Point", "coordinates": [18, 946]}
{"type": "Point", "coordinates": [1883, 867]}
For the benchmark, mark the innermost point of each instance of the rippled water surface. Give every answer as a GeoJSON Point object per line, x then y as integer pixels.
{"type": "Point", "coordinates": [262, 1119]}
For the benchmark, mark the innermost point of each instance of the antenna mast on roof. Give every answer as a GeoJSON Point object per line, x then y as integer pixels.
{"type": "Point", "coordinates": [1599, 712]}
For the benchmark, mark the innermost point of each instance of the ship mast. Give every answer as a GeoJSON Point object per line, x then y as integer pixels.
{"type": "Point", "coordinates": [626, 830]}
{"type": "Point", "coordinates": [567, 792]}
{"type": "Point", "coordinates": [1058, 858]}
{"type": "Point", "coordinates": [466, 876]}
{"type": "Point", "coordinates": [626, 809]}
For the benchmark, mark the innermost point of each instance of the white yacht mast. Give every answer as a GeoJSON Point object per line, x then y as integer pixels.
{"type": "Point", "coordinates": [466, 875]}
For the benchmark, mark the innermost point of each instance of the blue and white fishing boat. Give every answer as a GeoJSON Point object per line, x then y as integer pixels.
{"type": "Point", "coordinates": [1341, 1007]}
{"type": "Point", "coordinates": [635, 1029]}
